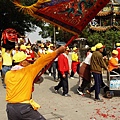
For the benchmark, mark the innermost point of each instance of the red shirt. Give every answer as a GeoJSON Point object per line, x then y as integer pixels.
{"type": "Point", "coordinates": [118, 49]}
{"type": "Point", "coordinates": [63, 64]}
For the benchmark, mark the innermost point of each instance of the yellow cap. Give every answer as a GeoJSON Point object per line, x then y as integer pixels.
{"type": "Point", "coordinates": [42, 45]}
{"type": "Point", "coordinates": [67, 49]}
{"type": "Point", "coordinates": [16, 46]}
{"type": "Point", "coordinates": [28, 46]}
{"type": "Point", "coordinates": [117, 44]}
{"type": "Point", "coordinates": [75, 48]}
{"type": "Point", "coordinates": [21, 39]}
{"type": "Point", "coordinates": [20, 56]}
{"type": "Point", "coordinates": [93, 48]}
{"type": "Point", "coordinates": [99, 45]}
{"type": "Point", "coordinates": [51, 45]}
{"type": "Point", "coordinates": [22, 47]}
{"type": "Point", "coordinates": [115, 52]}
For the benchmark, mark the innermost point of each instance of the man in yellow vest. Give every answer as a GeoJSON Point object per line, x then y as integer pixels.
{"type": "Point", "coordinates": [6, 64]}
{"type": "Point", "coordinates": [19, 81]}
{"type": "Point", "coordinates": [75, 62]}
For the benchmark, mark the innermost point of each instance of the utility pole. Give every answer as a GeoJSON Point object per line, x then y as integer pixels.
{"type": "Point", "coordinates": [54, 35]}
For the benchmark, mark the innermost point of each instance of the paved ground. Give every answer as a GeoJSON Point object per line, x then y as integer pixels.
{"type": "Point", "coordinates": [57, 107]}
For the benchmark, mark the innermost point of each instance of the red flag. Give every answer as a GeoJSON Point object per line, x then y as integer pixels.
{"type": "Point", "coordinates": [71, 15]}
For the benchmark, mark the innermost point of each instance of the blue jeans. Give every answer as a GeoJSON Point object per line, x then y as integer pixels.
{"type": "Point", "coordinates": [5, 69]}
{"type": "Point", "coordinates": [98, 80]}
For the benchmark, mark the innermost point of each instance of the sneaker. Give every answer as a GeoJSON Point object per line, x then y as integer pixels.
{"type": "Point", "coordinates": [71, 77]}
{"type": "Point", "coordinates": [67, 95]}
{"type": "Point", "coordinates": [4, 86]}
{"type": "Point", "coordinates": [99, 100]}
{"type": "Point", "coordinates": [80, 93]}
{"type": "Point", "coordinates": [88, 93]}
{"type": "Point", "coordinates": [56, 80]}
{"type": "Point", "coordinates": [55, 91]}
{"type": "Point", "coordinates": [50, 74]}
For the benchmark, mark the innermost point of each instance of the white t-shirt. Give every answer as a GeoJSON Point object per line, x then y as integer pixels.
{"type": "Point", "coordinates": [87, 59]}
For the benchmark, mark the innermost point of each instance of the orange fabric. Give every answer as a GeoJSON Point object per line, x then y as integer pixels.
{"type": "Point", "coordinates": [19, 82]}
{"type": "Point", "coordinates": [112, 64]}
{"type": "Point", "coordinates": [40, 54]}
{"type": "Point", "coordinates": [1, 65]}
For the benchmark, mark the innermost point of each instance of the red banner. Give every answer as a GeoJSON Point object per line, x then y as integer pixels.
{"type": "Point", "coordinates": [71, 15]}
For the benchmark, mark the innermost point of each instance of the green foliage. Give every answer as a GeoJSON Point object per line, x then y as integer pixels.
{"type": "Point", "coordinates": [60, 35]}
{"type": "Point", "coordinates": [10, 17]}
{"type": "Point", "coordinates": [108, 38]}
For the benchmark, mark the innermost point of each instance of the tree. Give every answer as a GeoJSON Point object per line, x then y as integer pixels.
{"type": "Point", "coordinates": [10, 17]}
{"type": "Point", "coordinates": [109, 38]}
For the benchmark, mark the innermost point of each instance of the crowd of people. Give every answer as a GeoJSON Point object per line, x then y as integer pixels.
{"type": "Point", "coordinates": [20, 67]}
{"type": "Point", "coordinates": [93, 65]}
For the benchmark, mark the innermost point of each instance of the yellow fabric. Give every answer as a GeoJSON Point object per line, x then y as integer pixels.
{"type": "Point", "coordinates": [3, 50]}
{"type": "Point", "coordinates": [112, 64]}
{"type": "Point", "coordinates": [74, 57]}
{"type": "Point", "coordinates": [33, 104]}
{"type": "Point", "coordinates": [40, 54]}
{"type": "Point", "coordinates": [19, 82]}
{"type": "Point", "coordinates": [7, 59]}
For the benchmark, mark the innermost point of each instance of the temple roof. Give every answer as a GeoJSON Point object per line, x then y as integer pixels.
{"type": "Point", "coordinates": [109, 9]}
{"type": "Point", "coordinates": [103, 28]}
{"type": "Point", "coordinates": [102, 13]}
{"type": "Point", "coordinates": [113, 2]}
